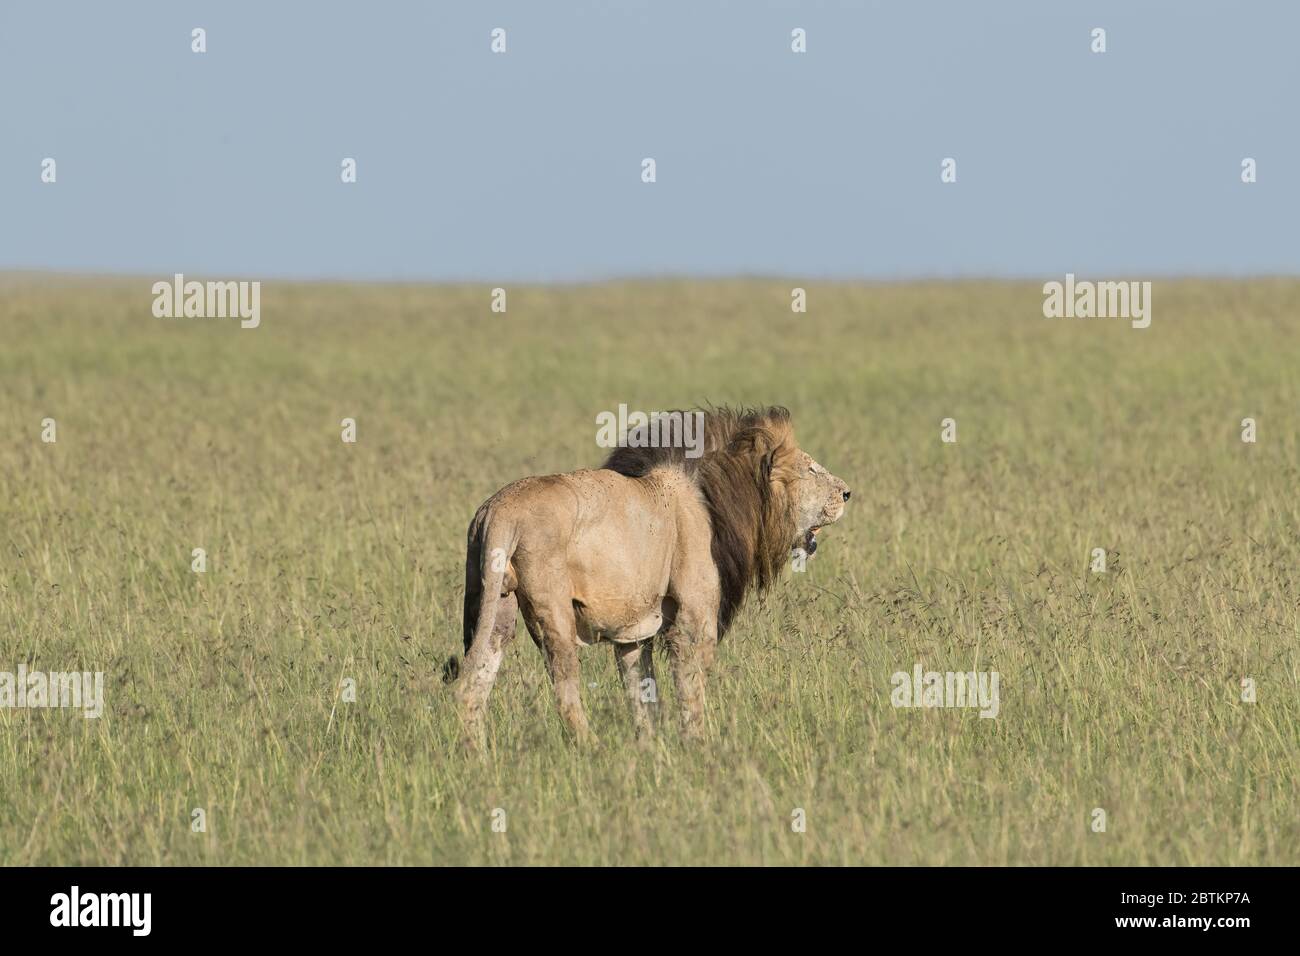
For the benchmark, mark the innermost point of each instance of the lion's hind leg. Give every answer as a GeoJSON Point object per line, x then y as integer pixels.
{"type": "Point", "coordinates": [554, 629]}
{"type": "Point", "coordinates": [636, 668]}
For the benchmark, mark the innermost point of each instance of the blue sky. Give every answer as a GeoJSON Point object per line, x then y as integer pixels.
{"type": "Point", "coordinates": [526, 166]}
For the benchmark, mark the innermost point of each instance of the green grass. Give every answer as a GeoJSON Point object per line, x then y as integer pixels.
{"type": "Point", "coordinates": [328, 561]}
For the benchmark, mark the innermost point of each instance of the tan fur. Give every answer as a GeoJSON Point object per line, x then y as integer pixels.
{"type": "Point", "coordinates": [653, 544]}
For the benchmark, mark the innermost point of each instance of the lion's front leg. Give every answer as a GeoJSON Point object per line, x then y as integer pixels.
{"type": "Point", "coordinates": [636, 668]}
{"type": "Point", "coordinates": [692, 641]}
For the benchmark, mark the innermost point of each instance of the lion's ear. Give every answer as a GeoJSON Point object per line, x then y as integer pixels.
{"type": "Point", "coordinates": [768, 463]}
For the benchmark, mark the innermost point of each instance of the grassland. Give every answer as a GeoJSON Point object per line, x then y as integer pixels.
{"type": "Point", "coordinates": [329, 561]}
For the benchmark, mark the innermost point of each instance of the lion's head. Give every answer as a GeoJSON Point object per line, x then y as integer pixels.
{"type": "Point", "coordinates": [818, 498]}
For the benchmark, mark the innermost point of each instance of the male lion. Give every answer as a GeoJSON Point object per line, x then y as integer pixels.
{"type": "Point", "coordinates": [654, 543]}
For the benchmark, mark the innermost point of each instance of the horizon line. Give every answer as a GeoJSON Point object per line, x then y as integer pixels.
{"type": "Point", "coordinates": [75, 275]}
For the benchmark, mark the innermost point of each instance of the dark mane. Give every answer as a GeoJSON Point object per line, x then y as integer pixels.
{"type": "Point", "coordinates": [720, 424]}
{"type": "Point", "coordinates": [744, 449]}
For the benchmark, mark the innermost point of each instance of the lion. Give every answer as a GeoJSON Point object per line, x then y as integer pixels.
{"type": "Point", "coordinates": [653, 545]}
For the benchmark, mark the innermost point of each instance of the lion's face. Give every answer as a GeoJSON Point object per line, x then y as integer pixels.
{"type": "Point", "coordinates": [819, 499]}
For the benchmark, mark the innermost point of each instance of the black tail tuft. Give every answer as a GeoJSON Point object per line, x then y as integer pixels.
{"type": "Point", "coordinates": [451, 669]}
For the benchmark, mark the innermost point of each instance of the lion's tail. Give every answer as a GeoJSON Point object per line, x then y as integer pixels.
{"type": "Point", "coordinates": [489, 547]}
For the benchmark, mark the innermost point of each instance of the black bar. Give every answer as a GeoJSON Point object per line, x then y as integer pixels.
{"type": "Point", "coordinates": [337, 906]}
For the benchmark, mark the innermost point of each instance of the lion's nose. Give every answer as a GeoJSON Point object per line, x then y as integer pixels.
{"type": "Point", "coordinates": [846, 496]}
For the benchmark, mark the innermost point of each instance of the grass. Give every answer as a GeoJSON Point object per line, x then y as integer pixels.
{"type": "Point", "coordinates": [326, 561]}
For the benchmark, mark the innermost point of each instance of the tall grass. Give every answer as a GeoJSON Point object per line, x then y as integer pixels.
{"type": "Point", "coordinates": [328, 561]}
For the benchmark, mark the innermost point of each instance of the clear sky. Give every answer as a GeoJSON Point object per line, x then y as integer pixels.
{"type": "Point", "coordinates": [527, 165]}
